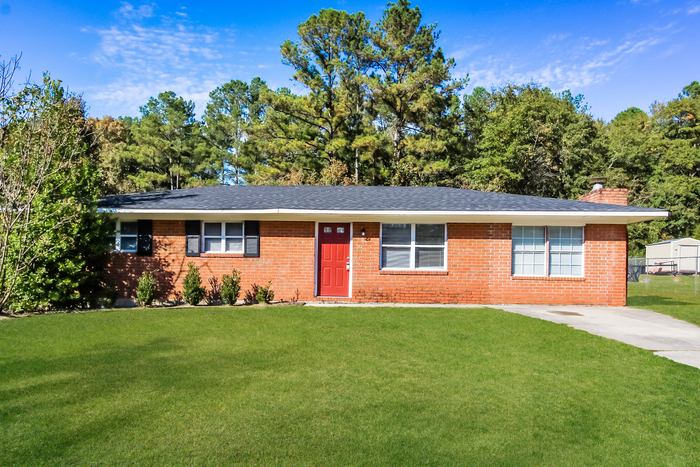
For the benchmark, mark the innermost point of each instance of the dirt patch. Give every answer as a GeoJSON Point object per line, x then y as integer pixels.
{"type": "Point", "coordinates": [565, 313]}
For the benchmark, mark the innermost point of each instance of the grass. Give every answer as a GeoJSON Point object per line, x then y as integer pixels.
{"type": "Point", "coordinates": [666, 295]}
{"type": "Point", "coordinates": [336, 386]}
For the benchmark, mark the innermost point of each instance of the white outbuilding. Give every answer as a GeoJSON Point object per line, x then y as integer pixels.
{"type": "Point", "coordinates": [680, 254]}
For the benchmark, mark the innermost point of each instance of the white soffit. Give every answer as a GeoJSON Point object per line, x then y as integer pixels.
{"type": "Point", "coordinates": [509, 217]}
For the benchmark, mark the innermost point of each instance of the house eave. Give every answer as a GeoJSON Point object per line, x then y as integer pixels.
{"type": "Point", "coordinates": [511, 217]}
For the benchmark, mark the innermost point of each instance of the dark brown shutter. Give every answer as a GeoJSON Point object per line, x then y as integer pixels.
{"type": "Point", "coordinates": [252, 239]}
{"type": "Point", "coordinates": [193, 231]}
{"type": "Point", "coordinates": [145, 238]}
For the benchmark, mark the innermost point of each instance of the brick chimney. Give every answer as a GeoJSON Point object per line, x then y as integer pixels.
{"type": "Point", "coordinates": [600, 194]}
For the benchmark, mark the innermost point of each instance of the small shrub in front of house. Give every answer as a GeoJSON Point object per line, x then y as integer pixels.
{"type": "Point", "coordinates": [265, 294]}
{"type": "Point", "coordinates": [147, 288]}
{"type": "Point", "coordinates": [193, 292]}
{"type": "Point", "coordinates": [231, 287]}
{"type": "Point", "coordinates": [214, 292]}
{"type": "Point", "coordinates": [251, 295]}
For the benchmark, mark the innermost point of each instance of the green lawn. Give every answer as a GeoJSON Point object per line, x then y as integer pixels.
{"type": "Point", "coordinates": [336, 386]}
{"type": "Point", "coordinates": [666, 295]}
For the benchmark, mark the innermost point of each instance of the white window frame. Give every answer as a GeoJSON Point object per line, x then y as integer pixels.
{"type": "Point", "coordinates": [548, 252]}
{"type": "Point", "coordinates": [223, 237]}
{"type": "Point", "coordinates": [118, 237]}
{"type": "Point", "coordinates": [412, 247]}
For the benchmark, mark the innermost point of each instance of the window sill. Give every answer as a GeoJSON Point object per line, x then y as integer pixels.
{"type": "Point", "coordinates": [221, 255]}
{"type": "Point", "coordinates": [412, 272]}
{"type": "Point", "coordinates": [548, 278]}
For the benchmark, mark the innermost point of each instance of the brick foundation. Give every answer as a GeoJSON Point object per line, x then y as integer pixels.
{"type": "Point", "coordinates": [478, 263]}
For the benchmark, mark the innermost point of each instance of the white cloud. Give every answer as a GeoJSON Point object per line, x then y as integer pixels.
{"type": "Point", "coordinates": [170, 55]}
{"type": "Point", "coordinates": [693, 10]}
{"type": "Point", "coordinates": [582, 62]}
{"type": "Point", "coordinates": [128, 11]}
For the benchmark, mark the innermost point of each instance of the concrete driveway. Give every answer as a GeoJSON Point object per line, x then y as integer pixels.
{"type": "Point", "coordinates": [665, 336]}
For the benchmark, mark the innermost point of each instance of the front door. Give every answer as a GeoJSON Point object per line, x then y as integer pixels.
{"type": "Point", "coordinates": [333, 260]}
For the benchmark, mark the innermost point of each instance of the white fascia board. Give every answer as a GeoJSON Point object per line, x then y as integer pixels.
{"type": "Point", "coordinates": [631, 214]}
{"type": "Point", "coordinates": [564, 218]}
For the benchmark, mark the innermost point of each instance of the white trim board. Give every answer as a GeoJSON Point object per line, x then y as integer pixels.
{"type": "Point", "coordinates": [564, 218]}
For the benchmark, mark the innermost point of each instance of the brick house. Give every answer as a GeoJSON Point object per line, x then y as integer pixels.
{"type": "Point", "coordinates": [380, 244]}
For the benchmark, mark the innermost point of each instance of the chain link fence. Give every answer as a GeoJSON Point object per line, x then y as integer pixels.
{"type": "Point", "coordinates": [672, 274]}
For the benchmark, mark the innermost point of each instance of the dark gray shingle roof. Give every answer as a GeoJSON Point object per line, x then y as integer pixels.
{"type": "Point", "coordinates": [350, 198]}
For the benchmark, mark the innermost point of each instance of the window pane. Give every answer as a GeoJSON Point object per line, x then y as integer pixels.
{"type": "Point", "coordinates": [212, 229]}
{"type": "Point", "coordinates": [234, 230]}
{"type": "Point", "coordinates": [566, 238]}
{"type": "Point", "coordinates": [396, 234]}
{"type": "Point", "coordinates": [566, 264]}
{"type": "Point", "coordinates": [538, 268]}
{"type": "Point", "coordinates": [234, 245]}
{"type": "Point", "coordinates": [517, 263]}
{"type": "Point", "coordinates": [129, 243]}
{"type": "Point", "coordinates": [396, 258]}
{"type": "Point", "coordinates": [430, 257]}
{"type": "Point", "coordinates": [538, 238]}
{"type": "Point", "coordinates": [129, 228]}
{"type": "Point", "coordinates": [527, 238]}
{"type": "Point", "coordinates": [528, 263]}
{"type": "Point", "coordinates": [212, 244]}
{"type": "Point", "coordinates": [430, 234]}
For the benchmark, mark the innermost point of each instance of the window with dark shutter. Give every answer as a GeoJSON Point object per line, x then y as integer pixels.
{"type": "Point", "coordinates": [252, 239]}
{"type": "Point", "coordinates": [145, 238]}
{"type": "Point", "coordinates": [192, 234]}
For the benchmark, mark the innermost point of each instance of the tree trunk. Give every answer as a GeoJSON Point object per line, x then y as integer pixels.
{"type": "Point", "coordinates": [357, 166]}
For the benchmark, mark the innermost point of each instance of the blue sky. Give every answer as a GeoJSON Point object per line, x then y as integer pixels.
{"type": "Point", "coordinates": [118, 54]}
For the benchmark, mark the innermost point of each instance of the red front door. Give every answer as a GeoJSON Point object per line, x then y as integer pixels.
{"type": "Point", "coordinates": [333, 260]}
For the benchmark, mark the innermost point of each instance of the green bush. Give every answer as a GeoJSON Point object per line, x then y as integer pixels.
{"type": "Point", "coordinates": [231, 287]}
{"type": "Point", "coordinates": [265, 294]}
{"type": "Point", "coordinates": [251, 295]}
{"type": "Point", "coordinates": [147, 288]}
{"type": "Point", "coordinates": [193, 292]}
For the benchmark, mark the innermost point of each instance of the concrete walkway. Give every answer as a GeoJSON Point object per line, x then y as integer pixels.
{"type": "Point", "coordinates": [665, 336]}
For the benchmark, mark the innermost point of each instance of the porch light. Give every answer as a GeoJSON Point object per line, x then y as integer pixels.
{"type": "Point", "coordinates": [362, 232]}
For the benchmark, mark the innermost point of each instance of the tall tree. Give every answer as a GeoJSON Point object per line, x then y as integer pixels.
{"type": "Point", "coordinates": [327, 61]}
{"type": "Point", "coordinates": [657, 157]}
{"type": "Point", "coordinates": [412, 86]}
{"type": "Point", "coordinates": [165, 143]}
{"type": "Point", "coordinates": [233, 108]}
{"type": "Point", "coordinates": [52, 241]}
{"type": "Point", "coordinates": [115, 162]}
{"type": "Point", "coordinates": [533, 142]}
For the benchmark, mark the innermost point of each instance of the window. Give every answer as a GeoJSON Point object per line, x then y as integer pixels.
{"type": "Point", "coordinates": [547, 251]}
{"type": "Point", "coordinates": [413, 246]}
{"type": "Point", "coordinates": [127, 237]}
{"type": "Point", "coordinates": [223, 237]}
{"type": "Point", "coordinates": [528, 251]}
{"type": "Point", "coordinates": [566, 251]}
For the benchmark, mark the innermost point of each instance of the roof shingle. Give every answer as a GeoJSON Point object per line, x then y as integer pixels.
{"type": "Point", "coordinates": [350, 198]}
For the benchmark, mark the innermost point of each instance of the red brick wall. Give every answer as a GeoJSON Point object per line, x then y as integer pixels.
{"type": "Point", "coordinates": [479, 270]}
{"type": "Point", "coordinates": [478, 263]}
{"type": "Point", "coordinates": [606, 195]}
{"type": "Point", "coordinates": [286, 258]}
